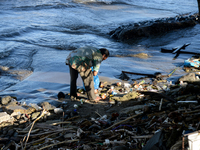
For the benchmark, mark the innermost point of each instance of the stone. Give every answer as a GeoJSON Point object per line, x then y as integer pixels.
{"type": "Point", "coordinates": [68, 135]}
{"type": "Point", "coordinates": [5, 100]}
{"type": "Point", "coordinates": [35, 115]}
{"type": "Point", "coordinates": [11, 108]}
{"type": "Point", "coordinates": [15, 114]}
{"type": "Point", "coordinates": [61, 95]}
{"type": "Point", "coordinates": [130, 33]}
{"type": "Point", "coordinates": [58, 110]}
{"type": "Point", "coordinates": [47, 106]}
{"type": "Point", "coordinates": [5, 117]}
{"type": "Point", "coordinates": [188, 77]}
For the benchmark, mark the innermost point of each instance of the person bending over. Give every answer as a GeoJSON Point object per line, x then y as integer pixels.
{"type": "Point", "coordinates": [80, 62]}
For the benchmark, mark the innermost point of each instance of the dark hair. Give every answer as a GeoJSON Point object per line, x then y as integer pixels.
{"type": "Point", "coordinates": [104, 51]}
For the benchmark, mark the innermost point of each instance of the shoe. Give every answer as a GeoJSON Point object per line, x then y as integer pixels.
{"type": "Point", "coordinates": [73, 98]}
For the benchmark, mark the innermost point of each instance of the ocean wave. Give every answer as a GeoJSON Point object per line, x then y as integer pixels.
{"type": "Point", "coordinates": [95, 1]}
{"type": "Point", "coordinates": [44, 6]}
{"type": "Point", "coordinates": [12, 32]}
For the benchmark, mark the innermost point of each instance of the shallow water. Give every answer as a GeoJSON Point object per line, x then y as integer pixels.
{"type": "Point", "coordinates": [36, 37]}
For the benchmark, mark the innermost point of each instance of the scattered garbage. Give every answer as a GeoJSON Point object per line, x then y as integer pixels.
{"type": "Point", "coordinates": [142, 114]}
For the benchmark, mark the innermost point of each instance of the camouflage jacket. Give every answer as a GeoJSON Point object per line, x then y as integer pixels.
{"type": "Point", "coordinates": [84, 58]}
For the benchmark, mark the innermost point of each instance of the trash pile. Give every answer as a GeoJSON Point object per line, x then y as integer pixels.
{"type": "Point", "coordinates": [146, 114]}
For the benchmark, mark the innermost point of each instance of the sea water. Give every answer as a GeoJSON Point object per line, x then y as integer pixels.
{"type": "Point", "coordinates": [37, 35]}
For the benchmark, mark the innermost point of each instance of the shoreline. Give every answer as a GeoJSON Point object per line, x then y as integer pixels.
{"type": "Point", "coordinates": [136, 108]}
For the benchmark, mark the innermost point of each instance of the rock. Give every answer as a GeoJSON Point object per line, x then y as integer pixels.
{"type": "Point", "coordinates": [47, 106]}
{"type": "Point", "coordinates": [22, 121]}
{"type": "Point", "coordinates": [5, 117]}
{"type": "Point", "coordinates": [61, 95]}
{"type": "Point", "coordinates": [5, 100]}
{"type": "Point", "coordinates": [37, 108]}
{"type": "Point", "coordinates": [35, 115]}
{"type": "Point", "coordinates": [10, 108]}
{"type": "Point", "coordinates": [68, 135]}
{"type": "Point", "coordinates": [16, 114]}
{"type": "Point", "coordinates": [147, 29]}
{"type": "Point", "coordinates": [58, 110]}
{"type": "Point", "coordinates": [188, 77]}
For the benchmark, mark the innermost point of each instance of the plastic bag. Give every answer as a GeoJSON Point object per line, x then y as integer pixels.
{"type": "Point", "coordinates": [96, 81]}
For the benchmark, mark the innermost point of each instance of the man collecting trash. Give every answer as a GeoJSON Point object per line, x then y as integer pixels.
{"type": "Point", "coordinates": [80, 62]}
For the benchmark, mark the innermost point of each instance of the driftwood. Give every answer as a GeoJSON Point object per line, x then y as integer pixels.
{"type": "Point", "coordinates": [42, 114]}
{"type": "Point", "coordinates": [69, 141]}
{"type": "Point", "coordinates": [191, 112]}
{"type": "Point", "coordinates": [58, 123]}
{"type": "Point", "coordinates": [161, 95]}
{"type": "Point", "coordinates": [72, 118]}
{"type": "Point", "coordinates": [46, 142]}
{"type": "Point", "coordinates": [41, 139]}
{"type": "Point", "coordinates": [164, 50]}
{"type": "Point", "coordinates": [24, 132]}
{"type": "Point", "coordinates": [178, 51]}
{"type": "Point", "coordinates": [156, 114]}
{"type": "Point", "coordinates": [120, 122]}
{"type": "Point", "coordinates": [49, 132]}
{"type": "Point", "coordinates": [125, 130]}
{"type": "Point", "coordinates": [179, 48]}
{"type": "Point", "coordinates": [142, 137]}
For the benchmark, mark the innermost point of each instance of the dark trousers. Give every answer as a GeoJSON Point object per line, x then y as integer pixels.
{"type": "Point", "coordinates": [87, 77]}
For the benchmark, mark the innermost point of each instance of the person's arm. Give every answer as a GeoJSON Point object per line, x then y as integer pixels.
{"type": "Point", "coordinates": [96, 65]}
{"type": "Point", "coordinates": [97, 59]}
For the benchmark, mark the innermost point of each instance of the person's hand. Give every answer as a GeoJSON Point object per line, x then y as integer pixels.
{"type": "Point", "coordinates": [95, 73]}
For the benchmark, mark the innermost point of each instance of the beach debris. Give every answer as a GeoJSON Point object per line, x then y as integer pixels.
{"type": "Point", "coordinates": [141, 114]}
{"type": "Point", "coordinates": [192, 62]}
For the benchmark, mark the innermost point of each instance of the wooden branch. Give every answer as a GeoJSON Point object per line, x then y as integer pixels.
{"type": "Point", "coordinates": [59, 143]}
{"type": "Point", "coordinates": [156, 114]}
{"type": "Point", "coordinates": [125, 130]}
{"type": "Point", "coordinates": [24, 132]}
{"type": "Point", "coordinates": [32, 127]}
{"type": "Point", "coordinates": [191, 112]}
{"type": "Point", "coordinates": [72, 118]}
{"type": "Point", "coordinates": [65, 122]}
{"type": "Point", "coordinates": [179, 48]}
{"type": "Point", "coordinates": [120, 122]}
{"type": "Point", "coordinates": [37, 141]}
{"type": "Point", "coordinates": [49, 132]}
{"type": "Point", "coordinates": [142, 137]}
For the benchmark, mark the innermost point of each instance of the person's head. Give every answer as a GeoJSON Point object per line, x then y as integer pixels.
{"type": "Point", "coordinates": [105, 53]}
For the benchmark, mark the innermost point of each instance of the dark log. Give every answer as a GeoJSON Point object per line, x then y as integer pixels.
{"type": "Point", "coordinates": [158, 94]}
{"type": "Point", "coordinates": [164, 50]}
{"type": "Point", "coordinates": [179, 48]}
